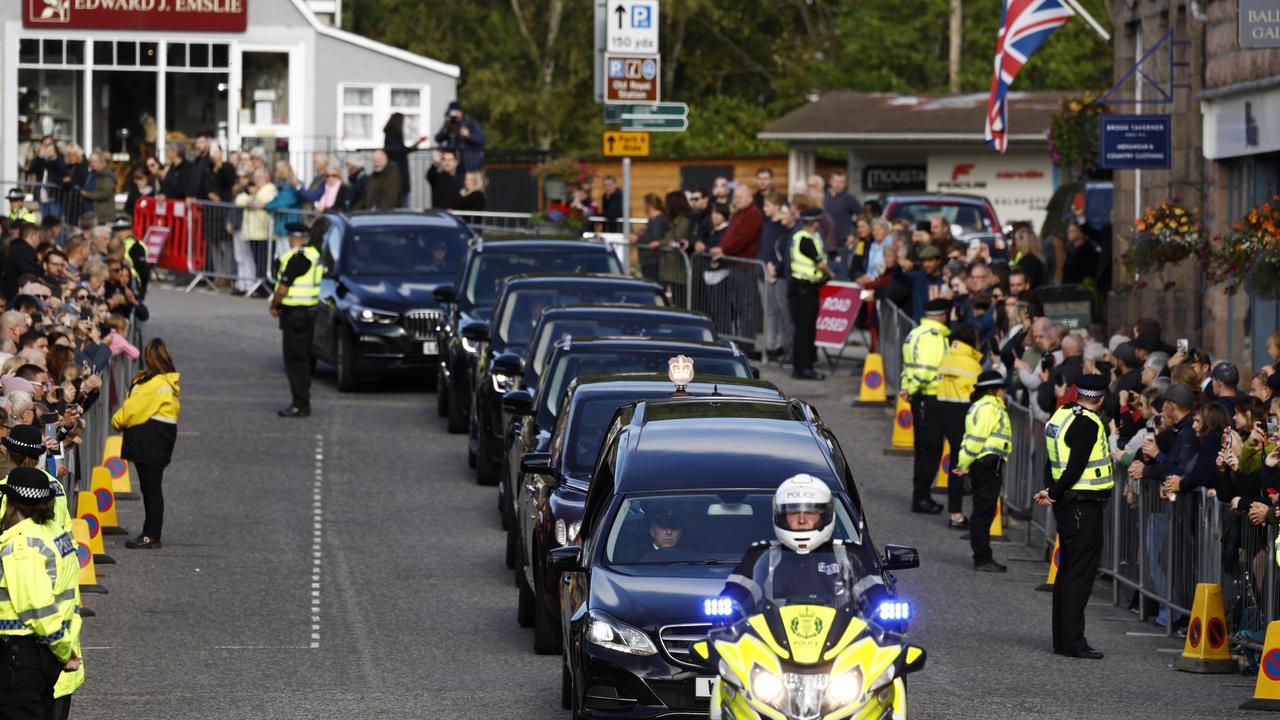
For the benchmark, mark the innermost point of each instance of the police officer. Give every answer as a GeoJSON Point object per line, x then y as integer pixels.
{"type": "Point", "coordinates": [1081, 468]}
{"type": "Point", "coordinates": [134, 250]}
{"type": "Point", "coordinates": [808, 271]}
{"type": "Point", "coordinates": [984, 449]}
{"type": "Point", "coordinates": [24, 445]}
{"type": "Point", "coordinates": [294, 302]}
{"type": "Point", "coordinates": [957, 373]}
{"type": "Point", "coordinates": [922, 353]}
{"type": "Point", "coordinates": [39, 601]}
{"type": "Point", "coordinates": [17, 207]}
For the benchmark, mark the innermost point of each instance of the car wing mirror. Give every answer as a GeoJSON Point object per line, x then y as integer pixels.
{"type": "Point", "coordinates": [477, 332]}
{"type": "Point", "coordinates": [535, 463]}
{"type": "Point", "coordinates": [517, 402]}
{"type": "Point", "coordinates": [565, 559]}
{"type": "Point", "coordinates": [508, 364]}
{"type": "Point", "coordinates": [444, 294]}
{"type": "Point", "coordinates": [900, 557]}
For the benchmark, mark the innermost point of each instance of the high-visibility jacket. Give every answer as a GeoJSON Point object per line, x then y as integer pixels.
{"type": "Point", "coordinates": [21, 213]}
{"type": "Point", "coordinates": [987, 431]}
{"type": "Point", "coordinates": [305, 290]}
{"type": "Point", "coordinates": [1098, 471]}
{"type": "Point", "coordinates": [802, 266]}
{"type": "Point", "coordinates": [61, 512]}
{"type": "Point", "coordinates": [958, 372]}
{"type": "Point", "coordinates": [40, 590]}
{"type": "Point", "coordinates": [129, 243]}
{"type": "Point", "coordinates": [922, 353]}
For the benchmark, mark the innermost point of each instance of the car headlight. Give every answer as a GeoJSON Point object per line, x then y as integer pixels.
{"type": "Point", "coordinates": [607, 632]}
{"type": "Point", "coordinates": [844, 688]}
{"type": "Point", "coordinates": [501, 382]}
{"type": "Point", "coordinates": [567, 532]}
{"type": "Point", "coordinates": [767, 687]}
{"type": "Point", "coordinates": [369, 315]}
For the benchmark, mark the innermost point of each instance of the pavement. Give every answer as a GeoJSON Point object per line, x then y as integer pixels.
{"type": "Point", "coordinates": [348, 566]}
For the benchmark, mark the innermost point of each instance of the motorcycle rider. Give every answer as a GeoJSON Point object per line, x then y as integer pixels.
{"type": "Point", "coordinates": [804, 522]}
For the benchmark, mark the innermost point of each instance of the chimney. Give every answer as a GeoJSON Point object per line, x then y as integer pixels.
{"type": "Point", "coordinates": [328, 11]}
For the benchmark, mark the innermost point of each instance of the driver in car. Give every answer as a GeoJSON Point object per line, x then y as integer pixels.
{"type": "Point", "coordinates": [809, 561]}
{"type": "Point", "coordinates": [439, 255]}
{"type": "Point", "coordinates": [665, 528]}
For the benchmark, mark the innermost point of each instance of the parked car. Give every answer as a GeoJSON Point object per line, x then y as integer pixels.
{"type": "Point", "coordinates": [966, 213]}
{"type": "Point", "coordinates": [1089, 202]}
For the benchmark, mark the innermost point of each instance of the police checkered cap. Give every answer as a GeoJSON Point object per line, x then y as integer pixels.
{"type": "Point", "coordinates": [25, 439]}
{"type": "Point", "coordinates": [1091, 386]}
{"type": "Point", "coordinates": [27, 484]}
{"type": "Point", "coordinates": [990, 379]}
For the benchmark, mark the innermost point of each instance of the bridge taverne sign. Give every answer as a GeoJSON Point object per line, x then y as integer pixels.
{"type": "Point", "coordinates": [194, 15]}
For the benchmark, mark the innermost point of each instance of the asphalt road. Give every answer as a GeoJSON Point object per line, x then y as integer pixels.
{"type": "Point", "coordinates": [347, 566]}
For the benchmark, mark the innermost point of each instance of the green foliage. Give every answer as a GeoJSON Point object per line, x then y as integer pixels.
{"type": "Point", "coordinates": [737, 64]}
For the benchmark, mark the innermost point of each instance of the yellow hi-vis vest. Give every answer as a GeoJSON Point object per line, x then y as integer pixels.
{"type": "Point", "coordinates": [129, 242]}
{"type": "Point", "coordinates": [958, 373]}
{"type": "Point", "coordinates": [1098, 471]}
{"type": "Point", "coordinates": [922, 353]}
{"type": "Point", "coordinates": [802, 268]}
{"type": "Point", "coordinates": [305, 290]}
{"type": "Point", "coordinates": [40, 587]}
{"type": "Point", "coordinates": [61, 512]}
{"type": "Point", "coordinates": [987, 431]}
{"type": "Point", "coordinates": [21, 213]}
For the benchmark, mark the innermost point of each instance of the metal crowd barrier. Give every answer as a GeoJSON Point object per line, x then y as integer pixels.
{"type": "Point", "coordinates": [731, 290]}
{"type": "Point", "coordinates": [46, 198]}
{"type": "Point", "coordinates": [218, 247]}
{"type": "Point", "coordinates": [894, 325]}
{"type": "Point", "coordinates": [672, 268]}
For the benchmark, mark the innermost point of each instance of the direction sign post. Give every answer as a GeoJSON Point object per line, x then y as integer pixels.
{"type": "Point", "coordinates": [625, 144]}
{"type": "Point", "coordinates": [659, 117]}
{"type": "Point", "coordinates": [631, 27]}
{"type": "Point", "coordinates": [632, 79]}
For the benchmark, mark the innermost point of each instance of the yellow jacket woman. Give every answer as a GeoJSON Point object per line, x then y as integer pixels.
{"type": "Point", "coordinates": [149, 419]}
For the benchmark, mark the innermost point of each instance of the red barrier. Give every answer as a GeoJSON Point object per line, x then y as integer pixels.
{"type": "Point", "coordinates": [172, 214]}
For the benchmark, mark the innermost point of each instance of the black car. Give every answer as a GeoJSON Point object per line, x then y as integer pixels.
{"type": "Point", "coordinates": [630, 612]}
{"type": "Point", "coordinates": [671, 323]}
{"type": "Point", "coordinates": [377, 311]}
{"type": "Point", "coordinates": [469, 303]}
{"type": "Point", "coordinates": [572, 358]}
{"type": "Point", "coordinates": [555, 483]}
{"type": "Point", "coordinates": [521, 303]}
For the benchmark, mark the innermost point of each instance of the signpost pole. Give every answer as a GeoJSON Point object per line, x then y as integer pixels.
{"type": "Point", "coordinates": [626, 198]}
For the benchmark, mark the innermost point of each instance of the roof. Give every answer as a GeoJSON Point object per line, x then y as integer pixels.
{"type": "Point", "coordinates": [952, 198]}
{"type": "Point", "coordinates": [616, 309]}
{"type": "Point", "coordinates": [402, 218]}
{"type": "Point", "coordinates": [452, 71]}
{"type": "Point", "coordinates": [887, 117]}
{"type": "Point", "coordinates": [646, 343]}
{"type": "Point", "coordinates": [567, 278]}
{"type": "Point", "coordinates": [702, 442]}
{"type": "Point", "coordinates": [522, 243]}
{"type": "Point", "coordinates": [587, 386]}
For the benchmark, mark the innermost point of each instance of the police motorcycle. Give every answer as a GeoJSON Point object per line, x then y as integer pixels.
{"type": "Point", "coordinates": [810, 645]}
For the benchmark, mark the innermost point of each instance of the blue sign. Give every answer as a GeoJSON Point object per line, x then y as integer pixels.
{"type": "Point", "coordinates": [641, 18]}
{"type": "Point", "coordinates": [1134, 141]}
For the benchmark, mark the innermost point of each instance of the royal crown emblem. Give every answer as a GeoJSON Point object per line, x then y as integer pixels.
{"type": "Point", "coordinates": [680, 371]}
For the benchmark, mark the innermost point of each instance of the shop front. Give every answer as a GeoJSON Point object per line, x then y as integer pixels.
{"type": "Point", "coordinates": [124, 77]}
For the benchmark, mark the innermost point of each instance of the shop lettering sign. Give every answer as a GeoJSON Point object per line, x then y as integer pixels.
{"type": "Point", "coordinates": [193, 15]}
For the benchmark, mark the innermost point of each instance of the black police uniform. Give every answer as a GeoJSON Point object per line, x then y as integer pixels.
{"type": "Point", "coordinates": [803, 296]}
{"type": "Point", "coordinates": [297, 324]}
{"type": "Point", "coordinates": [797, 575]}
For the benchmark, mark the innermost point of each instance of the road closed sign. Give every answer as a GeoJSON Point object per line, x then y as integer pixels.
{"type": "Point", "coordinates": [615, 143]}
{"type": "Point", "coordinates": [838, 304]}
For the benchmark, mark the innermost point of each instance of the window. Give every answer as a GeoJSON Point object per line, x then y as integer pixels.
{"type": "Point", "coordinates": [266, 87]}
{"type": "Point", "coordinates": [364, 109]}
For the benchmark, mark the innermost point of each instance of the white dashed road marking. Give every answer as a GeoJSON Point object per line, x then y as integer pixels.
{"type": "Point", "coordinates": [317, 540]}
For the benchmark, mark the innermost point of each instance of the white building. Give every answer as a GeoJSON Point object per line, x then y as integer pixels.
{"type": "Point", "coordinates": [122, 76]}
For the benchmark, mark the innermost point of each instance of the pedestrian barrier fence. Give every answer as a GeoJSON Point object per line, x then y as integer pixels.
{"type": "Point", "coordinates": [731, 290]}
{"type": "Point", "coordinates": [50, 199]}
{"type": "Point", "coordinates": [671, 267]}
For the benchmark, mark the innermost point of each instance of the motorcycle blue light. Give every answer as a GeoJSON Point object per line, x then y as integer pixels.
{"type": "Point", "coordinates": [717, 607]}
{"type": "Point", "coordinates": [895, 610]}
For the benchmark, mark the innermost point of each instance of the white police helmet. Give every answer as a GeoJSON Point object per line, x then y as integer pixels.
{"type": "Point", "coordinates": [803, 492]}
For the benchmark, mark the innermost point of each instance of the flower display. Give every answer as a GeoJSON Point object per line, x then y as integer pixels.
{"type": "Point", "coordinates": [1164, 235]}
{"type": "Point", "coordinates": [1073, 134]}
{"type": "Point", "coordinates": [1249, 253]}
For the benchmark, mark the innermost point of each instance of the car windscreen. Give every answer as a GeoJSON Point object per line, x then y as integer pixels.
{"type": "Point", "coordinates": [523, 307]}
{"type": "Point", "coordinates": [492, 268]}
{"type": "Point", "coordinates": [601, 362]}
{"type": "Point", "coordinates": [663, 327]}
{"type": "Point", "coordinates": [406, 250]}
{"type": "Point", "coordinates": [702, 528]}
{"type": "Point", "coordinates": [969, 218]}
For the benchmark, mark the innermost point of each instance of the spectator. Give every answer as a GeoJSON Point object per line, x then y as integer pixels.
{"type": "Point", "coordinates": [742, 237]}
{"type": "Point", "coordinates": [1027, 258]}
{"type": "Point", "coordinates": [700, 217]}
{"type": "Point", "coordinates": [139, 188]}
{"type": "Point", "coordinates": [48, 168]}
{"type": "Point", "coordinates": [720, 214]}
{"type": "Point", "coordinates": [382, 188]}
{"type": "Point", "coordinates": [815, 185]}
{"type": "Point", "coordinates": [925, 283]}
{"type": "Point", "coordinates": [874, 264]}
{"type": "Point", "coordinates": [611, 204]}
{"type": "Point", "coordinates": [940, 232]}
{"type": "Point", "coordinates": [764, 186]}
{"type": "Point", "coordinates": [252, 250]}
{"type": "Point", "coordinates": [472, 196]}
{"type": "Point", "coordinates": [1082, 259]}
{"type": "Point", "coordinates": [679, 214]}
{"type": "Point", "coordinates": [319, 175]}
{"type": "Point", "coordinates": [333, 193]}
{"type": "Point", "coordinates": [656, 228]}
{"type": "Point", "coordinates": [1154, 366]}
{"type": "Point", "coordinates": [356, 179]}
{"type": "Point", "coordinates": [1273, 351]}
{"type": "Point", "coordinates": [21, 259]}
{"type": "Point", "coordinates": [1224, 380]}
{"type": "Point", "coordinates": [445, 179]}
{"type": "Point", "coordinates": [397, 150]}
{"type": "Point", "coordinates": [77, 255]}
{"type": "Point", "coordinates": [286, 199]}
{"type": "Point", "coordinates": [1056, 383]}
{"type": "Point", "coordinates": [957, 374]}
{"type": "Point", "coordinates": [720, 190]}
{"type": "Point", "coordinates": [462, 134]}
{"type": "Point", "coordinates": [100, 186]}
{"type": "Point", "coordinates": [775, 251]}
{"type": "Point", "coordinates": [180, 178]}
{"type": "Point", "coordinates": [223, 173]}
{"type": "Point", "coordinates": [1259, 386]}
{"type": "Point", "coordinates": [149, 420]}
{"type": "Point", "coordinates": [842, 206]}
{"type": "Point", "coordinates": [580, 200]}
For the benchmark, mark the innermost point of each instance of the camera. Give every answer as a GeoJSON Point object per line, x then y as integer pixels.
{"type": "Point", "coordinates": [452, 131]}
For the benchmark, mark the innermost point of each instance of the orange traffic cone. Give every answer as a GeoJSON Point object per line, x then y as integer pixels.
{"type": "Point", "coordinates": [997, 523]}
{"type": "Point", "coordinates": [904, 437]}
{"type": "Point", "coordinates": [1205, 650]}
{"type": "Point", "coordinates": [104, 499]}
{"type": "Point", "coordinates": [1266, 692]}
{"type": "Point", "coordinates": [1053, 566]}
{"type": "Point", "coordinates": [943, 480]}
{"type": "Point", "coordinates": [121, 478]}
{"type": "Point", "coordinates": [88, 575]}
{"type": "Point", "coordinates": [872, 390]}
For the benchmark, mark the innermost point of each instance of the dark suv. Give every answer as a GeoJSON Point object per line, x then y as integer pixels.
{"type": "Point", "coordinates": [469, 304]}
{"type": "Point", "coordinates": [377, 311]}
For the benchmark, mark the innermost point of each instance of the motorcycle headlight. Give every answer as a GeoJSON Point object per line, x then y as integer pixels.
{"type": "Point", "coordinates": [767, 687]}
{"type": "Point", "coordinates": [501, 382]}
{"type": "Point", "coordinates": [845, 688]}
{"type": "Point", "coordinates": [371, 316]}
{"type": "Point", "coordinates": [607, 632]}
{"type": "Point", "coordinates": [567, 532]}
{"type": "Point", "coordinates": [471, 347]}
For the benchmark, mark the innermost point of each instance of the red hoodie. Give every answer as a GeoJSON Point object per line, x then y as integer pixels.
{"type": "Point", "coordinates": [742, 237]}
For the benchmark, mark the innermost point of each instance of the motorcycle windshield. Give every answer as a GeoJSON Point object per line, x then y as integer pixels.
{"type": "Point", "coordinates": [833, 578]}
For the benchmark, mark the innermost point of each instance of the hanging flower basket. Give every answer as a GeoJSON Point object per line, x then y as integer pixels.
{"type": "Point", "coordinates": [1165, 235]}
{"type": "Point", "coordinates": [561, 216]}
{"type": "Point", "coordinates": [1249, 253]}
{"type": "Point", "coordinates": [1073, 134]}
{"type": "Point", "coordinates": [559, 174]}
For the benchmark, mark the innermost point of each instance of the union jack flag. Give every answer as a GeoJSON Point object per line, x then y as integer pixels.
{"type": "Point", "coordinates": [1024, 26]}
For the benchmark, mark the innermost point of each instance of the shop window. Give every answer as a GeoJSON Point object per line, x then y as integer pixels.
{"type": "Point", "coordinates": [126, 53]}
{"type": "Point", "coordinates": [148, 54]}
{"type": "Point", "coordinates": [52, 52]}
{"type": "Point", "coordinates": [75, 52]}
{"type": "Point", "coordinates": [49, 104]}
{"type": "Point", "coordinates": [29, 51]}
{"type": "Point", "coordinates": [266, 87]}
{"type": "Point", "coordinates": [199, 55]}
{"type": "Point", "coordinates": [176, 55]}
{"type": "Point", "coordinates": [221, 55]}
{"type": "Point", "coordinates": [195, 102]}
{"type": "Point", "coordinates": [104, 53]}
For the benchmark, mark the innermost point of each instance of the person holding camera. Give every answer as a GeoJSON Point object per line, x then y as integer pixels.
{"type": "Point", "coordinates": [462, 134]}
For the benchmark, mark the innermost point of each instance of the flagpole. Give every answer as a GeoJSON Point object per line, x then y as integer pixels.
{"type": "Point", "coordinates": [1084, 14]}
